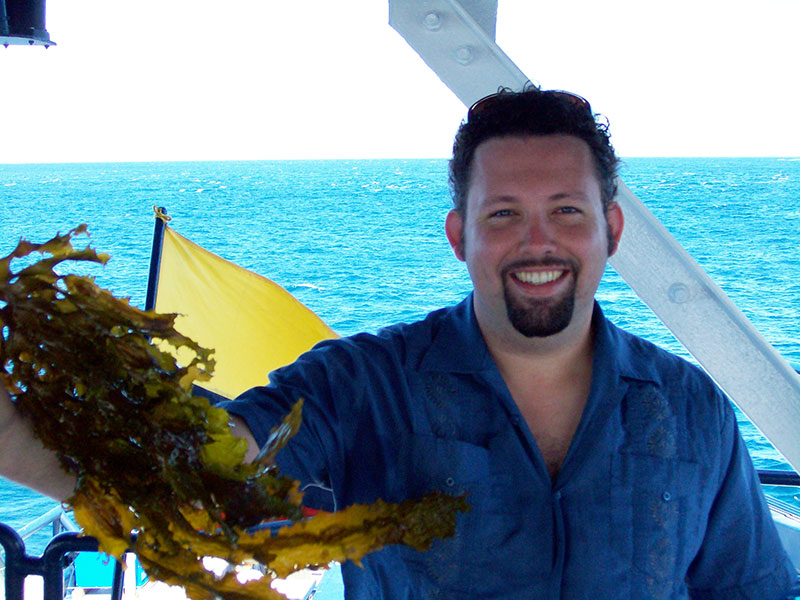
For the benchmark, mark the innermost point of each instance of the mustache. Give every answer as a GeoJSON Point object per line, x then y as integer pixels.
{"type": "Point", "coordinates": [547, 261]}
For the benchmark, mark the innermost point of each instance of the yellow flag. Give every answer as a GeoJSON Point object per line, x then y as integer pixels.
{"type": "Point", "coordinates": [252, 323]}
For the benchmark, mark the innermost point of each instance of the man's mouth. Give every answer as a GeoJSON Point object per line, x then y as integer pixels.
{"type": "Point", "coordinates": [538, 277]}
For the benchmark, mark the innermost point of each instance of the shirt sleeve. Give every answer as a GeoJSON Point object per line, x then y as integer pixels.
{"type": "Point", "coordinates": [741, 555]}
{"type": "Point", "coordinates": [306, 456]}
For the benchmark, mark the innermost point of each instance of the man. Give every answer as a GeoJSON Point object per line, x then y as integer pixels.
{"type": "Point", "coordinates": [596, 465]}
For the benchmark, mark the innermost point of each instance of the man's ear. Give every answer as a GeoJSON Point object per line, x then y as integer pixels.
{"type": "Point", "coordinates": [454, 228]}
{"type": "Point", "coordinates": [616, 223]}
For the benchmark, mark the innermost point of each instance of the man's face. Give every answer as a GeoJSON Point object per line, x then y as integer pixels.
{"type": "Point", "coordinates": [535, 237]}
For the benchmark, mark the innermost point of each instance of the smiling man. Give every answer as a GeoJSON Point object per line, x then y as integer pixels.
{"type": "Point", "coordinates": [596, 465]}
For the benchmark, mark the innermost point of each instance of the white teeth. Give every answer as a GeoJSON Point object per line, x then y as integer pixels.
{"type": "Point", "coordinates": [538, 277]}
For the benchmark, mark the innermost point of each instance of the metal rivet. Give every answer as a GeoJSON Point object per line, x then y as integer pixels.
{"type": "Point", "coordinates": [432, 21]}
{"type": "Point", "coordinates": [679, 293]}
{"type": "Point", "coordinates": [666, 496]}
{"type": "Point", "coordinates": [464, 55]}
{"type": "Point", "coordinates": [450, 482]}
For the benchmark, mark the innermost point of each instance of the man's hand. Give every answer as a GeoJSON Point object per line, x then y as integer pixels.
{"type": "Point", "coordinates": [240, 429]}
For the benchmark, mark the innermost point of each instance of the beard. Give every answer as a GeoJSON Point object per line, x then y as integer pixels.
{"type": "Point", "coordinates": [534, 317]}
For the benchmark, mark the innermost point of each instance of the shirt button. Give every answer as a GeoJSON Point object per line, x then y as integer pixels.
{"type": "Point", "coordinates": [666, 496]}
{"type": "Point", "coordinates": [450, 482]}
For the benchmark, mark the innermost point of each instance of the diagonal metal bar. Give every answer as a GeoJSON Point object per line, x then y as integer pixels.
{"type": "Point", "coordinates": [456, 46]}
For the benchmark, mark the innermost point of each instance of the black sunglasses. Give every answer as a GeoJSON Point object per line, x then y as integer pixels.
{"type": "Point", "coordinates": [486, 103]}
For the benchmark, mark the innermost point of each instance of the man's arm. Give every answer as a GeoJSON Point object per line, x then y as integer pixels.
{"type": "Point", "coordinates": [25, 460]}
{"type": "Point", "coordinates": [741, 555]}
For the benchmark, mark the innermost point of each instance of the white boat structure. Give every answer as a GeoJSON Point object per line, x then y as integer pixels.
{"type": "Point", "coordinates": [456, 39]}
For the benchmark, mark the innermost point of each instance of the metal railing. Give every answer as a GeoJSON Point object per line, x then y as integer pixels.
{"type": "Point", "coordinates": [55, 561]}
{"type": "Point", "coordinates": [774, 477]}
{"type": "Point", "coordinates": [49, 566]}
{"type": "Point", "coordinates": [56, 517]}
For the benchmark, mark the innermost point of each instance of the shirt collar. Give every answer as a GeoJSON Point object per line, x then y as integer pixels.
{"type": "Point", "coordinates": [457, 345]}
{"type": "Point", "coordinates": [617, 351]}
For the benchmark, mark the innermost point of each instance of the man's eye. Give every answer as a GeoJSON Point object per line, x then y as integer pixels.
{"type": "Point", "coordinates": [568, 210]}
{"type": "Point", "coordinates": [501, 213]}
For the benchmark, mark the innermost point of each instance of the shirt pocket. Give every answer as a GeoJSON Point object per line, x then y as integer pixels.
{"type": "Point", "coordinates": [443, 464]}
{"type": "Point", "coordinates": [656, 520]}
{"type": "Point", "coordinates": [466, 561]}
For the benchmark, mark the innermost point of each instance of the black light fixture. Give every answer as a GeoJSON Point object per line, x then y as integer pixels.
{"type": "Point", "coordinates": [22, 23]}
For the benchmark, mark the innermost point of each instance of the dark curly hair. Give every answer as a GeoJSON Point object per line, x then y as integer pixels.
{"type": "Point", "coordinates": [531, 112]}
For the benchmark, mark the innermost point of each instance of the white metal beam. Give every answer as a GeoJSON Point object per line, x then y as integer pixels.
{"type": "Point", "coordinates": [456, 46]}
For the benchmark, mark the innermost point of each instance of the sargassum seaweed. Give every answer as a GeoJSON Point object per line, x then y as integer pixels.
{"type": "Point", "coordinates": [90, 372]}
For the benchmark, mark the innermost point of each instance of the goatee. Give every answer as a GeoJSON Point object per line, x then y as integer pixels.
{"type": "Point", "coordinates": [534, 317]}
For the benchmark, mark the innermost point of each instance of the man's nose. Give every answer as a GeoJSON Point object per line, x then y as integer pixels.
{"type": "Point", "coordinates": [539, 234]}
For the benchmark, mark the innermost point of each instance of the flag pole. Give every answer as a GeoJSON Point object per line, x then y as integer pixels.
{"type": "Point", "coordinates": [155, 256]}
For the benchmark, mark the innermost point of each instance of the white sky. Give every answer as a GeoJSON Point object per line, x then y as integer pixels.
{"type": "Point", "coordinates": [268, 79]}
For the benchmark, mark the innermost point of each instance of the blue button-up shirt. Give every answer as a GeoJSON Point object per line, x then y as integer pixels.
{"type": "Point", "coordinates": [656, 498]}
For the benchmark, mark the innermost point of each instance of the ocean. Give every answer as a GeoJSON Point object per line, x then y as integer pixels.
{"type": "Point", "coordinates": [361, 242]}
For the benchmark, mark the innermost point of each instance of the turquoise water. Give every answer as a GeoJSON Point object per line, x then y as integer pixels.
{"type": "Point", "coordinates": [362, 243]}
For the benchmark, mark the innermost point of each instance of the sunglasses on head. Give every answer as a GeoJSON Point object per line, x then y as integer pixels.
{"type": "Point", "coordinates": [488, 102]}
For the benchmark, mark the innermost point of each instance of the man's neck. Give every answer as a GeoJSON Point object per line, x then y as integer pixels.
{"type": "Point", "coordinates": [549, 379]}
{"type": "Point", "coordinates": [545, 360]}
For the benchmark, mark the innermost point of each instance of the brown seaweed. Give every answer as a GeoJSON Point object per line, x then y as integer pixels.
{"type": "Point", "coordinates": [103, 391]}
